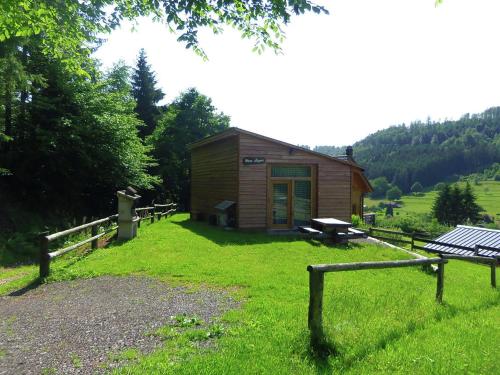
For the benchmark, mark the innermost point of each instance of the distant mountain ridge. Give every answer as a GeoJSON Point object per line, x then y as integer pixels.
{"type": "Point", "coordinates": [429, 152]}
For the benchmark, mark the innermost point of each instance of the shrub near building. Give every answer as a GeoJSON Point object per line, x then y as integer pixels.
{"type": "Point", "coordinates": [394, 193]}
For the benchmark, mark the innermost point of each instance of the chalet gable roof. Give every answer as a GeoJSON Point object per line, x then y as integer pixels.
{"type": "Point", "coordinates": [235, 131]}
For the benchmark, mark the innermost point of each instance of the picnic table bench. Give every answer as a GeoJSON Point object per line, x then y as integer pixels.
{"type": "Point", "coordinates": [337, 230]}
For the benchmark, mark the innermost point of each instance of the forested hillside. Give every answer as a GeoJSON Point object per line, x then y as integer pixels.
{"type": "Point", "coordinates": [429, 152]}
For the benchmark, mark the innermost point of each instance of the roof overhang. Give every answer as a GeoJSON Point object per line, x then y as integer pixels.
{"type": "Point", "coordinates": [235, 131]}
{"type": "Point", "coordinates": [367, 187]}
{"type": "Point", "coordinates": [213, 138]}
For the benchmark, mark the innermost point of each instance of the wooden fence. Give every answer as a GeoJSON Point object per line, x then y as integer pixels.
{"type": "Point", "coordinates": [492, 262]}
{"type": "Point", "coordinates": [158, 211]}
{"type": "Point", "coordinates": [400, 237]}
{"type": "Point", "coordinates": [165, 209]}
{"type": "Point", "coordinates": [316, 285]}
{"type": "Point", "coordinates": [155, 212]}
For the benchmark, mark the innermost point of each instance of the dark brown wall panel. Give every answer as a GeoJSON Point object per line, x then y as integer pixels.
{"type": "Point", "coordinates": [214, 174]}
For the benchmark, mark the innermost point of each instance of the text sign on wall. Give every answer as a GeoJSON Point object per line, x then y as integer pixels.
{"type": "Point", "coordinates": [252, 160]}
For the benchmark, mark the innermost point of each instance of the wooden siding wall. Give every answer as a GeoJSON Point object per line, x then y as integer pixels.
{"type": "Point", "coordinates": [214, 175]}
{"type": "Point", "coordinates": [357, 202]}
{"type": "Point", "coordinates": [333, 182]}
{"type": "Point", "coordinates": [357, 193]}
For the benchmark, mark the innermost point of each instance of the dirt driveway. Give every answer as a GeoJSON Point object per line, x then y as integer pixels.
{"type": "Point", "coordinates": [74, 326]}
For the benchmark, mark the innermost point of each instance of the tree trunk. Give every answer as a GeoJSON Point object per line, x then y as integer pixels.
{"type": "Point", "coordinates": [21, 123]}
{"type": "Point", "coordinates": [8, 109]}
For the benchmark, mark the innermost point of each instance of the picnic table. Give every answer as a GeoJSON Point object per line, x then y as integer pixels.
{"type": "Point", "coordinates": [337, 229]}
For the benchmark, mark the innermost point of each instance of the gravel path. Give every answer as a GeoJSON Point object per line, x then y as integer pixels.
{"type": "Point", "coordinates": [72, 327]}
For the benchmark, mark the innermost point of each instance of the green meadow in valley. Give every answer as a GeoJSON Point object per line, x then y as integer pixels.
{"type": "Point", "coordinates": [487, 193]}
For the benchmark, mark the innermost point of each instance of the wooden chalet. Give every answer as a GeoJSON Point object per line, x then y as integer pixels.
{"type": "Point", "coordinates": [263, 183]}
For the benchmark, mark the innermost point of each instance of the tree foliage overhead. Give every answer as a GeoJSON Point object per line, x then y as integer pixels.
{"type": "Point", "coordinates": [146, 94]}
{"type": "Point", "coordinates": [431, 152]}
{"type": "Point", "coordinates": [66, 25]}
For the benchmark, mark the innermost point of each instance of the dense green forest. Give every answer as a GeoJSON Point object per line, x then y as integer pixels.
{"type": "Point", "coordinates": [429, 152]}
{"type": "Point", "coordinates": [74, 141]}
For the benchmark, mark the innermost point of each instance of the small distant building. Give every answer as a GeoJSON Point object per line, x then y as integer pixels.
{"type": "Point", "coordinates": [273, 184]}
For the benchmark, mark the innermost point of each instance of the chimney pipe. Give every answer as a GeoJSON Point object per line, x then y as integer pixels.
{"type": "Point", "coordinates": [348, 151]}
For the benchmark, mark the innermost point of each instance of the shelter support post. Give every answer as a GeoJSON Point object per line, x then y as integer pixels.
{"type": "Point", "coordinates": [493, 266]}
{"type": "Point", "coordinates": [440, 282]}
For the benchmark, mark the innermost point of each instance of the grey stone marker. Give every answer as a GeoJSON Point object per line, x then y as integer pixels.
{"type": "Point", "coordinates": [127, 217]}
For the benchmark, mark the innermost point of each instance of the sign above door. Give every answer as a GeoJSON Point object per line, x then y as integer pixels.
{"type": "Point", "coordinates": [252, 160]}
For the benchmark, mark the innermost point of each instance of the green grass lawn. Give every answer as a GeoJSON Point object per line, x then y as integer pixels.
{"type": "Point", "coordinates": [383, 321]}
{"type": "Point", "coordinates": [487, 193]}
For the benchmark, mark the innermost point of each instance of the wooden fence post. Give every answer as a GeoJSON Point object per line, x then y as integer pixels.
{"type": "Point", "coordinates": [493, 266]}
{"type": "Point", "coordinates": [153, 213]}
{"type": "Point", "coordinates": [440, 282]}
{"type": "Point", "coordinates": [316, 283]}
{"type": "Point", "coordinates": [44, 256]}
{"type": "Point", "coordinates": [370, 232]}
{"type": "Point", "coordinates": [94, 233]}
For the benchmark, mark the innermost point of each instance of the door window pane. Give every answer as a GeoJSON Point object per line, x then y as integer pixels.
{"type": "Point", "coordinates": [280, 203]}
{"type": "Point", "coordinates": [302, 203]}
{"type": "Point", "coordinates": [291, 171]}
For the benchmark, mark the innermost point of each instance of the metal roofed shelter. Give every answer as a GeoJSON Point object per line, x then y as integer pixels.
{"type": "Point", "coordinates": [479, 241]}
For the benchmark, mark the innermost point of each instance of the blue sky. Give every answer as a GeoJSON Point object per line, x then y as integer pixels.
{"type": "Point", "coordinates": [368, 65]}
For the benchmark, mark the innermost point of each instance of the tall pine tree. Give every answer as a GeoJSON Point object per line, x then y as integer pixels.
{"type": "Point", "coordinates": [191, 117]}
{"type": "Point", "coordinates": [471, 208]}
{"type": "Point", "coordinates": [77, 142]}
{"type": "Point", "coordinates": [441, 208]}
{"type": "Point", "coordinates": [455, 212]}
{"type": "Point", "coordinates": [146, 94]}
{"type": "Point", "coordinates": [454, 206]}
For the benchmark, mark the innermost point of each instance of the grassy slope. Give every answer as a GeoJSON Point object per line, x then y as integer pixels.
{"type": "Point", "coordinates": [379, 321]}
{"type": "Point", "coordinates": [488, 197]}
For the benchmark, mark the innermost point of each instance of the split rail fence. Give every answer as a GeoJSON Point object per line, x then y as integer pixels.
{"type": "Point", "coordinates": [157, 211]}
{"type": "Point", "coordinates": [316, 285]}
